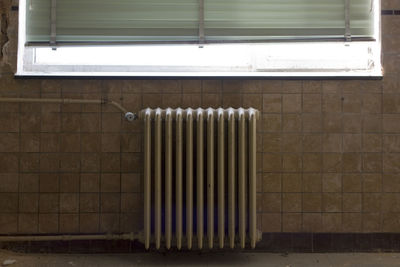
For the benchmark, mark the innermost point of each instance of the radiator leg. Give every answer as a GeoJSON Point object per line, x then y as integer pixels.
{"type": "Point", "coordinates": [242, 178]}
{"type": "Point", "coordinates": [157, 178]}
{"type": "Point", "coordinates": [179, 145]}
{"type": "Point", "coordinates": [200, 182]}
{"type": "Point", "coordinates": [221, 179]}
{"type": "Point", "coordinates": [168, 179]}
{"type": "Point", "coordinates": [210, 178]}
{"type": "Point", "coordinates": [252, 177]}
{"type": "Point", "coordinates": [231, 178]}
{"type": "Point", "coordinates": [147, 178]}
{"type": "Point", "coordinates": [189, 178]}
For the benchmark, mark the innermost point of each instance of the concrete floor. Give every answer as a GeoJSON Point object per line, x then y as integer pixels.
{"type": "Point", "coordinates": [196, 259]}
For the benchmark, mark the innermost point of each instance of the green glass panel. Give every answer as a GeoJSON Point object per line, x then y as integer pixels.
{"type": "Point", "coordinates": [177, 20]}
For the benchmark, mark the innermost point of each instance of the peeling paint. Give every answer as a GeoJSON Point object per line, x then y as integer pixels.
{"type": "Point", "coordinates": [8, 35]}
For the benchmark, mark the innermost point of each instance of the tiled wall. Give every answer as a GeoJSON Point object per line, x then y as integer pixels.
{"type": "Point", "coordinates": [328, 161]}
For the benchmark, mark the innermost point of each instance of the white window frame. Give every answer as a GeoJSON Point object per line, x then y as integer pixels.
{"type": "Point", "coordinates": [290, 59]}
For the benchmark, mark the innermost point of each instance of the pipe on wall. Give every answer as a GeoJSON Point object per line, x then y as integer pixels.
{"type": "Point", "coordinates": [25, 238]}
{"type": "Point", "coordinates": [130, 116]}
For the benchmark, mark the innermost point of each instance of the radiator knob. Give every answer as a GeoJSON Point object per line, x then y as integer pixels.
{"type": "Point", "coordinates": [130, 116]}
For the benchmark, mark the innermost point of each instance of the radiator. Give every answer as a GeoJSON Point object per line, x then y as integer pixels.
{"type": "Point", "coordinates": [200, 177]}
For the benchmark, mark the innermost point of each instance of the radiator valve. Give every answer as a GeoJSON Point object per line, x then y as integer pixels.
{"type": "Point", "coordinates": [130, 116]}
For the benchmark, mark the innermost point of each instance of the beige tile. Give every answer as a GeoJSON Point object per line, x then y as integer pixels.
{"type": "Point", "coordinates": [390, 222]}
{"type": "Point", "coordinates": [89, 222]}
{"type": "Point", "coordinates": [28, 223]}
{"type": "Point", "coordinates": [352, 202]}
{"type": "Point", "coordinates": [110, 143]}
{"type": "Point", "coordinates": [391, 162]}
{"type": "Point", "coordinates": [332, 202]}
{"type": "Point", "coordinates": [332, 162]}
{"type": "Point", "coordinates": [291, 103]}
{"type": "Point", "coordinates": [351, 162]}
{"type": "Point", "coordinates": [331, 103]}
{"type": "Point", "coordinates": [371, 202]}
{"type": "Point", "coordinates": [352, 103]}
{"type": "Point", "coordinates": [312, 103]}
{"type": "Point", "coordinates": [69, 202]}
{"type": "Point", "coordinates": [90, 162]}
{"type": "Point", "coordinates": [312, 182]}
{"type": "Point", "coordinates": [391, 183]}
{"type": "Point", "coordinates": [271, 122]}
{"type": "Point", "coordinates": [372, 182]}
{"type": "Point", "coordinates": [312, 222]}
{"type": "Point", "coordinates": [352, 142]}
{"type": "Point", "coordinates": [312, 86]}
{"type": "Point", "coordinates": [332, 123]}
{"type": "Point", "coordinates": [110, 162]}
{"type": "Point", "coordinates": [132, 202]}
{"type": "Point", "coordinates": [352, 123]}
{"type": "Point", "coordinates": [49, 203]}
{"type": "Point", "coordinates": [49, 182]}
{"type": "Point", "coordinates": [69, 223]}
{"type": "Point", "coordinates": [291, 182]}
{"type": "Point", "coordinates": [9, 182]}
{"type": "Point", "coordinates": [272, 142]}
{"type": "Point", "coordinates": [272, 103]}
{"type": "Point", "coordinates": [391, 143]}
{"type": "Point", "coordinates": [272, 202]}
{"type": "Point", "coordinates": [371, 222]}
{"type": "Point", "coordinates": [130, 183]}
{"type": "Point", "coordinates": [29, 182]}
{"type": "Point", "coordinates": [48, 223]}
{"type": "Point", "coordinates": [271, 222]}
{"type": "Point", "coordinates": [291, 162]}
{"type": "Point", "coordinates": [332, 143]}
{"type": "Point", "coordinates": [312, 143]}
{"type": "Point", "coordinates": [372, 162]}
{"type": "Point", "coordinates": [351, 182]}
{"type": "Point", "coordinates": [312, 202]}
{"type": "Point", "coordinates": [372, 103]}
{"type": "Point", "coordinates": [109, 222]}
{"type": "Point", "coordinates": [272, 182]}
{"type": "Point", "coordinates": [351, 222]}
{"type": "Point", "coordinates": [312, 123]}
{"type": "Point", "coordinates": [372, 123]}
{"type": "Point", "coordinates": [110, 182]}
{"type": "Point", "coordinates": [292, 222]}
{"type": "Point", "coordinates": [8, 202]}
{"type": "Point", "coordinates": [291, 202]}
{"type": "Point", "coordinates": [291, 143]}
{"type": "Point", "coordinates": [9, 142]}
{"type": "Point", "coordinates": [28, 202]}
{"type": "Point", "coordinates": [331, 222]}
{"type": "Point", "coordinates": [272, 162]}
{"type": "Point", "coordinates": [110, 202]}
{"type": "Point", "coordinates": [70, 142]}
{"type": "Point", "coordinates": [312, 162]}
{"type": "Point", "coordinates": [372, 143]}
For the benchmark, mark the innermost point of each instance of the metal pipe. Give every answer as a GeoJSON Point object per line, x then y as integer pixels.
{"type": "Point", "coordinates": [130, 116]}
{"type": "Point", "coordinates": [23, 238]}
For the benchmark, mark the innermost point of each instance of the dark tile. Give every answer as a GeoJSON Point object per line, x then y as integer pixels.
{"type": "Point", "coordinates": [302, 242]}
{"type": "Point", "coordinates": [362, 242]}
{"type": "Point", "coordinates": [322, 242]}
{"type": "Point", "coordinates": [381, 241]}
{"type": "Point", "coordinates": [342, 242]}
{"type": "Point", "coordinates": [282, 242]}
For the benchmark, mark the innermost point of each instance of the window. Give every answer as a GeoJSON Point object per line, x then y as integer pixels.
{"type": "Point", "coordinates": [199, 38]}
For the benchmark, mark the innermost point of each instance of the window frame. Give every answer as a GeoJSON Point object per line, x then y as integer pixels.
{"type": "Point", "coordinates": [25, 55]}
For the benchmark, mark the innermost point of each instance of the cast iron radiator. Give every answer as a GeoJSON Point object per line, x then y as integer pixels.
{"type": "Point", "coordinates": [200, 177]}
